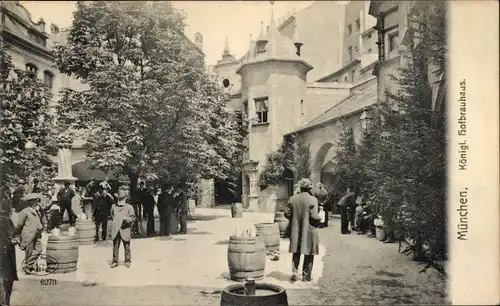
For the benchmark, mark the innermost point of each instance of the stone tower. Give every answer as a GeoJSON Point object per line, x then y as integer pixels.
{"type": "Point", "coordinates": [273, 77]}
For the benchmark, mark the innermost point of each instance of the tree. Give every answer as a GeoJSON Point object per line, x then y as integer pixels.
{"type": "Point", "coordinates": [151, 108]}
{"type": "Point", "coordinates": [24, 114]}
{"type": "Point", "coordinates": [346, 172]}
{"type": "Point", "coordinates": [279, 163]}
{"type": "Point", "coordinates": [409, 153]}
{"type": "Point", "coordinates": [302, 158]}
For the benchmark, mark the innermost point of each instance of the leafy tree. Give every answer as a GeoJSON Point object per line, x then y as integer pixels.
{"type": "Point", "coordinates": [279, 163]}
{"type": "Point", "coordinates": [151, 108]}
{"type": "Point", "coordinates": [24, 114]}
{"type": "Point", "coordinates": [302, 158]}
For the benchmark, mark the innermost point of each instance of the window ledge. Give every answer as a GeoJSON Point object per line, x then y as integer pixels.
{"type": "Point", "coordinates": [260, 124]}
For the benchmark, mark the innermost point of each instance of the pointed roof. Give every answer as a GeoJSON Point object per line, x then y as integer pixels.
{"type": "Point", "coordinates": [262, 35]}
{"type": "Point", "coordinates": [296, 36]}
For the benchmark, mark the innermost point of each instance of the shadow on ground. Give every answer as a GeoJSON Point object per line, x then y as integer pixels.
{"type": "Point", "coordinates": [195, 218]}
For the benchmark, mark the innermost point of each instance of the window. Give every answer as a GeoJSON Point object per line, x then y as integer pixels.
{"type": "Point", "coordinates": [345, 79]}
{"type": "Point", "coordinates": [369, 36]}
{"type": "Point", "coordinates": [261, 107]}
{"type": "Point", "coordinates": [349, 50]}
{"type": "Point", "coordinates": [358, 25]}
{"type": "Point", "coordinates": [370, 50]}
{"type": "Point", "coordinates": [302, 107]}
{"type": "Point", "coordinates": [393, 41]}
{"type": "Point", "coordinates": [353, 75]}
{"type": "Point", "coordinates": [48, 79]}
{"type": "Point", "coordinates": [349, 30]}
{"type": "Point", "coordinates": [31, 69]}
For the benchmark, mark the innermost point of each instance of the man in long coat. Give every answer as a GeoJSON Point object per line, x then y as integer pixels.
{"type": "Point", "coordinates": [148, 205]}
{"type": "Point", "coordinates": [123, 216]}
{"type": "Point", "coordinates": [168, 206]}
{"type": "Point", "coordinates": [182, 208]}
{"type": "Point", "coordinates": [8, 272]}
{"type": "Point", "coordinates": [302, 209]}
{"type": "Point", "coordinates": [346, 203]}
{"type": "Point", "coordinates": [30, 221]}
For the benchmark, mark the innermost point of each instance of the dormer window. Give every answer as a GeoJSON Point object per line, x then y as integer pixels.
{"type": "Point", "coordinates": [261, 109]}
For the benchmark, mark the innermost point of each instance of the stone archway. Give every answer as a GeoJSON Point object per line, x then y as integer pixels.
{"type": "Point", "coordinates": [319, 161]}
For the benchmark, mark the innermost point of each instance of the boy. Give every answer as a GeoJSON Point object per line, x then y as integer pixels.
{"type": "Point", "coordinates": [123, 217]}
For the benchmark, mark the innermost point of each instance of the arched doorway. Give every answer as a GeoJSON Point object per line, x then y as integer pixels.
{"type": "Point", "coordinates": [319, 161]}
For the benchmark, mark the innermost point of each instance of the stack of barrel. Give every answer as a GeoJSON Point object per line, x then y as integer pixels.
{"type": "Point", "coordinates": [85, 228]}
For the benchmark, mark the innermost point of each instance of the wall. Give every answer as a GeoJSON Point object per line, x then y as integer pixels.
{"type": "Point", "coordinates": [284, 85]}
{"type": "Point", "coordinates": [352, 13]}
{"type": "Point", "coordinates": [229, 71]}
{"type": "Point", "coordinates": [320, 98]}
{"type": "Point", "coordinates": [320, 27]}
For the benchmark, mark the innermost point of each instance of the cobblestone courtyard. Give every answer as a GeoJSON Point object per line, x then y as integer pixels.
{"type": "Point", "coordinates": [192, 269]}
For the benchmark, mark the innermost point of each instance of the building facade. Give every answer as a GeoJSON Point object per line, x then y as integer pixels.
{"type": "Point", "coordinates": [294, 79]}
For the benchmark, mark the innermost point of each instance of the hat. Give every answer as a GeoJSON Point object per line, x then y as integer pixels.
{"type": "Point", "coordinates": [305, 183]}
{"type": "Point", "coordinates": [31, 196]}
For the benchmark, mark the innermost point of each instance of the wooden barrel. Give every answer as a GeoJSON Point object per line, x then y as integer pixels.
{"type": "Point", "coordinates": [237, 210]}
{"type": "Point", "coordinates": [62, 253]}
{"type": "Point", "coordinates": [283, 224]}
{"type": "Point", "coordinates": [265, 295]}
{"type": "Point", "coordinates": [246, 257]}
{"type": "Point", "coordinates": [85, 230]}
{"type": "Point", "coordinates": [271, 234]}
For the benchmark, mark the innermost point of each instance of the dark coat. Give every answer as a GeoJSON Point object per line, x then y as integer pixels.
{"type": "Point", "coordinates": [8, 269]}
{"type": "Point", "coordinates": [301, 210]}
{"type": "Point", "coordinates": [103, 205]}
{"type": "Point", "coordinates": [147, 200]}
{"type": "Point", "coordinates": [182, 203]}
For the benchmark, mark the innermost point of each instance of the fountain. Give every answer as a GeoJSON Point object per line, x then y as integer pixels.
{"type": "Point", "coordinates": [254, 294]}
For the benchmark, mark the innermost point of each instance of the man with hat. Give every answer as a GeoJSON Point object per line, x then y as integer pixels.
{"type": "Point", "coordinates": [123, 217]}
{"type": "Point", "coordinates": [30, 223]}
{"type": "Point", "coordinates": [8, 272]}
{"type": "Point", "coordinates": [17, 195]}
{"type": "Point", "coordinates": [302, 210]}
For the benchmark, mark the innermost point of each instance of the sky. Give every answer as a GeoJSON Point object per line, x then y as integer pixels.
{"type": "Point", "coordinates": [215, 20]}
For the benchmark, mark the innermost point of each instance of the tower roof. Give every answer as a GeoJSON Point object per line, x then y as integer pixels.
{"type": "Point", "coordinates": [262, 36]}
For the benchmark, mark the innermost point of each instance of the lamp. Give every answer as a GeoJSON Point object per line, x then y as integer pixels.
{"type": "Point", "coordinates": [29, 147]}
{"type": "Point", "coordinates": [365, 119]}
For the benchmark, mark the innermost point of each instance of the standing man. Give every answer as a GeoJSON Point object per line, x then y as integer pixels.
{"type": "Point", "coordinates": [8, 272]}
{"type": "Point", "coordinates": [102, 212]}
{"type": "Point", "coordinates": [167, 201]}
{"type": "Point", "coordinates": [30, 223]}
{"type": "Point", "coordinates": [183, 207]}
{"type": "Point", "coordinates": [91, 188]}
{"type": "Point", "coordinates": [148, 204]}
{"type": "Point", "coordinates": [160, 204]}
{"type": "Point", "coordinates": [64, 197]}
{"type": "Point", "coordinates": [302, 209]}
{"type": "Point", "coordinates": [346, 202]}
{"type": "Point", "coordinates": [123, 216]}
{"type": "Point", "coordinates": [18, 193]}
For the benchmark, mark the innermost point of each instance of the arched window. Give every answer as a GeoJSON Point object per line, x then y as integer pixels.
{"type": "Point", "coordinates": [48, 78]}
{"type": "Point", "coordinates": [30, 68]}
